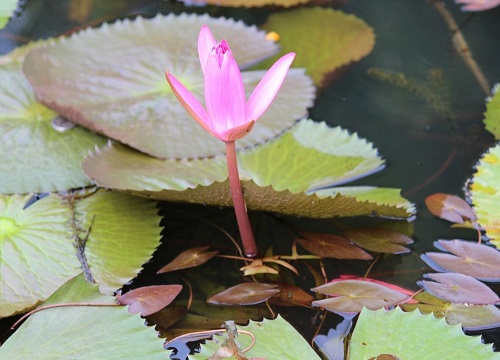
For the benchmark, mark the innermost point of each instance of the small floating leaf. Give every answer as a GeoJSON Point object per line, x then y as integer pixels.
{"type": "Point", "coordinates": [331, 246]}
{"type": "Point", "coordinates": [324, 39]}
{"type": "Point", "coordinates": [412, 336]}
{"type": "Point", "coordinates": [250, 293]}
{"type": "Point", "coordinates": [148, 300]}
{"type": "Point", "coordinates": [449, 207]}
{"type": "Point", "coordinates": [476, 260]}
{"type": "Point", "coordinates": [352, 295]}
{"type": "Point", "coordinates": [189, 258]}
{"type": "Point", "coordinates": [291, 295]}
{"type": "Point", "coordinates": [458, 288]}
{"type": "Point", "coordinates": [379, 240]}
{"type": "Point", "coordinates": [130, 101]}
{"type": "Point", "coordinates": [85, 332]}
{"type": "Point", "coordinates": [274, 340]}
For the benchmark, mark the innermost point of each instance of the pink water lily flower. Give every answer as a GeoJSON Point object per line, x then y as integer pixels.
{"type": "Point", "coordinates": [228, 116]}
{"type": "Point", "coordinates": [478, 5]}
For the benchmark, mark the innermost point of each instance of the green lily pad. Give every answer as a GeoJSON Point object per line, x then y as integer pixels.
{"type": "Point", "coordinates": [274, 340]}
{"type": "Point", "coordinates": [324, 39]}
{"type": "Point", "coordinates": [275, 175]}
{"type": "Point", "coordinates": [248, 3]}
{"type": "Point", "coordinates": [37, 244]}
{"type": "Point", "coordinates": [130, 101]}
{"type": "Point", "coordinates": [485, 194]}
{"type": "Point", "coordinates": [83, 332]}
{"type": "Point", "coordinates": [412, 336]}
{"type": "Point", "coordinates": [7, 8]}
{"type": "Point", "coordinates": [36, 157]}
{"type": "Point", "coordinates": [492, 115]}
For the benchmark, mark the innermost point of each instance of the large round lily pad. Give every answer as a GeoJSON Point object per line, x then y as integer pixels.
{"type": "Point", "coordinates": [36, 157]}
{"type": "Point", "coordinates": [115, 75]}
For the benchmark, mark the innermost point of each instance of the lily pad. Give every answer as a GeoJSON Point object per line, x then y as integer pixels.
{"type": "Point", "coordinates": [130, 101]}
{"type": "Point", "coordinates": [189, 258]}
{"type": "Point", "coordinates": [280, 172]}
{"type": "Point", "coordinates": [247, 3]}
{"type": "Point", "coordinates": [449, 207]}
{"type": "Point", "coordinates": [148, 300]}
{"type": "Point", "coordinates": [274, 340]}
{"type": "Point", "coordinates": [485, 194]}
{"type": "Point", "coordinates": [36, 157]}
{"type": "Point", "coordinates": [477, 260]}
{"type": "Point", "coordinates": [412, 336]}
{"type": "Point", "coordinates": [379, 240]}
{"type": "Point", "coordinates": [332, 246]}
{"type": "Point", "coordinates": [352, 295]}
{"type": "Point", "coordinates": [89, 332]}
{"type": "Point", "coordinates": [458, 288]}
{"type": "Point", "coordinates": [492, 115]}
{"type": "Point", "coordinates": [250, 293]}
{"type": "Point", "coordinates": [120, 233]}
{"type": "Point", "coordinates": [324, 39]}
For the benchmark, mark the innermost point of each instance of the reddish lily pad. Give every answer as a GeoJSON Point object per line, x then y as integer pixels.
{"type": "Point", "coordinates": [148, 300]}
{"type": "Point", "coordinates": [250, 293]}
{"type": "Point", "coordinates": [331, 246]}
{"type": "Point", "coordinates": [379, 240]}
{"type": "Point", "coordinates": [352, 295]}
{"type": "Point", "coordinates": [477, 260]}
{"type": "Point", "coordinates": [189, 258]}
{"type": "Point", "coordinates": [292, 295]}
{"type": "Point", "coordinates": [449, 207]}
{"type": "Point", "coordinates": [458, 288]}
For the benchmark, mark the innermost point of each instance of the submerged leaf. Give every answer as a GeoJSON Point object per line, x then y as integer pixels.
{"type": "Point", "coordinates": [291, 295]}
{"type": "Point", "coordinates": [458, 288]}
{"type": "Point", "coordinates": [189, 258]}
{"type": "Point", "coordinates": [476, 260]}
{"type": "Point", "coordinates": [250, 293]}
{"type": "Point", "coordinates": [331, 246]}
{"type": "Point", "coordinates": [485, 193]}
{"type": "Point", "coordinates": [148, 300]}
{"type": "Point", "coordinates": [379, 240]}
{"type": "Point", "coordinates": [324, 39]}
{"type": "Point", "coordinates": [412, 336]}
{"type": "Point", "coordinates": [86, 332]}
{"type": "Point", "coordinates": [449, 207]}
{"type": "Point", "coordinates": [352, 295]}
{"type": "Point", "coordinates": [274, 340]}
{"type": "Point", "coordinates": [130, 101]}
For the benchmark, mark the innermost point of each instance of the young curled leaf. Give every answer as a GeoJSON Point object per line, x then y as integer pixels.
{"type": "Point", "coordinates": [189, 258]}
{"type": "Point", "coordinates": [449, 207]}
{"type": "Point", "coordinates": [250, 293]}
{"type": "Point", "coordinates": [149, 299]}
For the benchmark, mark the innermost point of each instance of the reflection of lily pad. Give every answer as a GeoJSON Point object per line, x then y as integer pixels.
{"type": "Point", "coordinates": [83, 332]}
{"type": "Point", "coordinates": [38, 249]}
{"type": "Point", "coordinates": [35, 157]}
{"type": "Point", "coordinates": [485, 194]}
{"type": "Point", "coordinates": [130, 100]}
{"type": "Point", "coordinates": [275, 175]}
{"type": "Point", "coordinates": [492, 116]}
{"type": "Point", "coordinates": [324, 39]}
{"type": "Point", "coordinates": [274, 340]}
{"type": "Point", "coordinates": [413, 336]}
{"type": "Point", "coordinates": [248, 3]}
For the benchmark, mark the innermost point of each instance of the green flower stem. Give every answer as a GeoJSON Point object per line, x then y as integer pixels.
{"type": "Point", "coordinates": [240, 207]}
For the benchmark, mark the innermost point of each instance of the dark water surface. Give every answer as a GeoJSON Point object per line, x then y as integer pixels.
{"type": "Point", "coordinates": [426, 151]}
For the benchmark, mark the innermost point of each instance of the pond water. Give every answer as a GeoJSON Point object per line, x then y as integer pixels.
{"type": "Point", "coordinates": [426, 151]}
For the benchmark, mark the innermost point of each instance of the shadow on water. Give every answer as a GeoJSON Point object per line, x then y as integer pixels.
{"type": "Point", "coordinates": [427, 151]}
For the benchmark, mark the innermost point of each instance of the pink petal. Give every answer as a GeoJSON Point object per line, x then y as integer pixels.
{"type": "Point", "coordinates": [238, 132]}
{"type": "Point", "coordinates": [206, 43]}
{"type": "Point", "coordinates": [224, 93]}
{"type": "Point", "coordinates": [268, 87]}
{"type": "Point", "coordinates": [190, 103]}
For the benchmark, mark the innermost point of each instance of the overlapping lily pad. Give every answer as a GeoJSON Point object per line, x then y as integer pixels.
{"type": "Point", "coordinates": [35, 157]}
{"type": "Point", "coordinates": [130, 100]}
{"type": "Point", "coordinates": [89, 332]}
{"type": "Point", "coordinates": [492, 116]}
{"type": "Point", "coordinates": [275, 175]}
{"type": "Point", "coordinates": [324, 39]}
{"type": "Point", "coordinates": [469, 258]}
{"type": "Point", "coordinates": [412, 336]}
{"type": "Point", "coordinates": [485, 194]}
{"type": "Point", "coordinates": [274, 340]}
{"type": "Point", "coordinates": [38, 243]}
